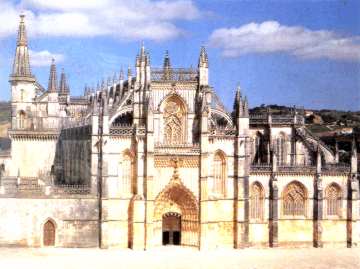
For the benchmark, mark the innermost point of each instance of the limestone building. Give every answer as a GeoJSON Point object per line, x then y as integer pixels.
{"type": "Point", "coordinates": [154, 158]}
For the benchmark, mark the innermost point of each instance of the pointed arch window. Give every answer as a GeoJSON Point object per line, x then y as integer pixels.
{"type": "Point", "coordinates": [219, 166]}
{"type": "Point", "coordinates": [257, 201]}
{"type": "Point", "coordinates": [127, 174]}
{"type": "Point", "coordinates": [294, 200]}
{"type": "Point", "coordinates": [174, 121]}
{"type": "Point", "coordinates": [333, 200]}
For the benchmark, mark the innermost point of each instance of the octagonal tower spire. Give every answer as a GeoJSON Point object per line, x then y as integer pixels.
{"type": "Point", "coordinates": [21, 67]}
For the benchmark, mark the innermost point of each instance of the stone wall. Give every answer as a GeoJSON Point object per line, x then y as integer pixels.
{"type": "Point", "coordinates": [22, 220]}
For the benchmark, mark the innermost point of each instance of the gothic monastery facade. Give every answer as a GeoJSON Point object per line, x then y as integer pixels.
{"type": "Point", "coordinates": [154, 158]}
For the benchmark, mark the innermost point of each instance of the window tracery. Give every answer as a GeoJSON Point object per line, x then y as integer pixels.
{"type": "Point", "coordinates": [174, 122]}
{"type": "Point", "coordinates": [294, 200]}
{"type": "Point", "coordinates": [333, 200]}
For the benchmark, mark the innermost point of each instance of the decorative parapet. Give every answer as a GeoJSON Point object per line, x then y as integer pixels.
{"type": "Point", "coordinates": [79, 99]}
{"type": "Point", "coordinates": [34, 134]}
{"type": "Point", "coordinates": [223, 132]}
{"type": "Point", "coordinates": [126, 130]}
{"type": "Point", "coordinates": [35, 188]}
{"type": "Point", "coordinates": [70, 189]}
{"type": "Point", "coordinates": [174, 74]}
{"type": "Point", "coordinates": [260, 168]}
{"type": "Point", "coordinates": [287, 119]}
{"type": "Point", "coordinates": [331, 168]}
{"type": "Point", "coordinates": [182, 149]}
{"type": "Point", "coordinates": [302, 169]}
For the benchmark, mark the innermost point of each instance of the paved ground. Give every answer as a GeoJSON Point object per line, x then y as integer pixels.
{"type": "Point", "coordinates": [170, 257]}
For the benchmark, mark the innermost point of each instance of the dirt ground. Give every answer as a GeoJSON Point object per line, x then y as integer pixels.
{"type": "Point", "coordinates": [172, 257]}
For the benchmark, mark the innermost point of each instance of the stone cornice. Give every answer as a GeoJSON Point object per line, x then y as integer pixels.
{"type": "Point", "coordinates": [34, 134]}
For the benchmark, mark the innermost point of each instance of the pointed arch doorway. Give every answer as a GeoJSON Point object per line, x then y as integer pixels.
{"type": "Point", "coordinates": [49, 234]}
{"type": "Point", "coordinates": [176, 217]}
{"type": "Point", "coordinates": [171, 229]}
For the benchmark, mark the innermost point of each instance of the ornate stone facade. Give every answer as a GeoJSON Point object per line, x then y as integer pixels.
{"type": "Point", "coordinates": [156, 159]}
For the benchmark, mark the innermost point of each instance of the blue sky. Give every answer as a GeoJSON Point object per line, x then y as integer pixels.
{"type": "Point", "coordinates": [303, 53]}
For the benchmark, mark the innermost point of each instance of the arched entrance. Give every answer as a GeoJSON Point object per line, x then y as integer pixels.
{"type": "Point", "coordinates": [49, 234]}
{"type": "Point", "coordinates": [176, 214]}
{"type": "Point", "coordinates": [171, 228]}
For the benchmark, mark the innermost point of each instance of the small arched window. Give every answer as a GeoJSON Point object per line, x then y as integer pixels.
{"type": "Point", "coordinates": [219, 167]}
{"type": "Point", "coordinates": [49, 233]}
{"type": "Point", "coordinates": [333, 200]}
{"type": "Point", "coordinates": [22, 116]}
{"type": "Point", "coordinates": [294, 200]}
{"type": "Point", "coordinates": [127, 174]}
{"type": "Point", "coordinates": [257, 201]}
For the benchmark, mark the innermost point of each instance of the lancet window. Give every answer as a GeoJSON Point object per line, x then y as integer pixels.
{"type": "Point", "coordinates": [219, 167]}
{"type": "Point", "coordinates": [127, 174]}
{"type": "Point", "coordinates": [281, 149]}
{"type": "Point", "coordinates": [257, 201]}
{"type": "Point", "coordinates": [333, 200]}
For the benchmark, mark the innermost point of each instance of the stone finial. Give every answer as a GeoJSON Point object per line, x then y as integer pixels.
{"type": "Point", "coordinates": [121, 75]}
{"type": "Point", "coordinates": [52, 86]}
{"type": "Point", "coordinates": [203, 58]}
{"type": "Point", "coordinates": [64, 87]}
{"type": "Point", "coordinates": [22, 38]}
{"type": "Point", "coordinates": [129, 77]}
{"type": "Point", "coordinates": [354, 159]}
{"type": "Point", "coordinates": [274, 160]}
{"type": "Point", "coordinates": [336, 151]}
{"type": "Point", "coordinates": [167, 64]}
{"type": "Point", "coordinates": [246, 108]}
{"type": "Point", "coordinates": [318, 159]}
{"type": "Point", "coordinates": [237, 100]}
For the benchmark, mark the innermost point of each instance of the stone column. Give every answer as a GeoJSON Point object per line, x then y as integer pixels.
{"type": "Point", "coordinates": [273, 205]}
{"type": "Point", "coordinates": [318, 211]}
{"type": "Point", "coordinates": [353, 229]}
{"type": "Point", "coordinates": [318, 203]}
{"type": "Point", "coordinates": [139, 213]}
{"type": "Point", "coordinates": [204, 236]}
{"type": "Point", "coordinates": [149, 178]}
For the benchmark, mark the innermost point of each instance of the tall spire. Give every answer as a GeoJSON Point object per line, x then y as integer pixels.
{"type": "Point", "coordinates": [167, 64]}
{"type": "Point", "coordinates": [121, 75]}
{"type": "Point", "coordinates": [64, 87]}
{"type": "Point", "coordinates": [52, 86]}
{"type": "Point", "coordinates": [203, 59]}
{"type": "Point", "coordinates": [21, 66]}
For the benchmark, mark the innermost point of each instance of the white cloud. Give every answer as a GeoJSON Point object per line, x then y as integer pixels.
{"type": "Point", "coordinates": [122, 19]}
{"type": "Point", "coordinates": [271, 36]}
{"type": "Point", "coordinates": [44, 57]}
